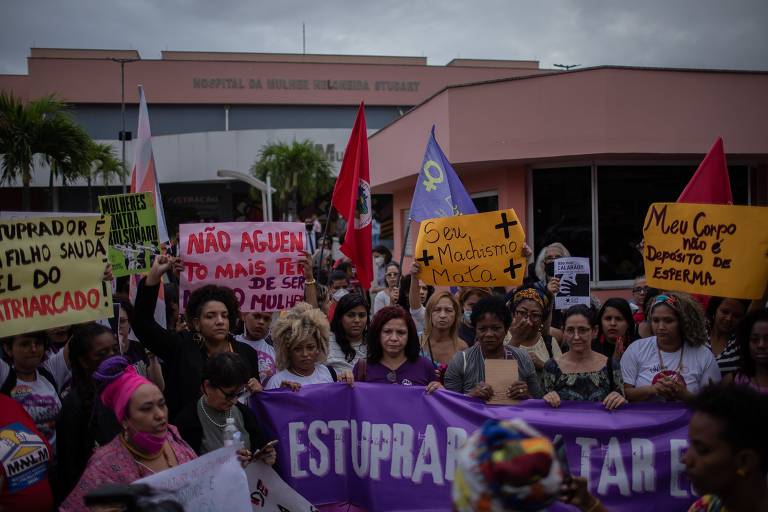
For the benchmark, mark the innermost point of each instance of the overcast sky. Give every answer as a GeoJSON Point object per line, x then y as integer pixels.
{"type": "Point", "coordinates": [727, 34]}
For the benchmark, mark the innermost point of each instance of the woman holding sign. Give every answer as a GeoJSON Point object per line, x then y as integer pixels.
{"type": "Point", "coordinates": [348, 328]}
{"type": "Point", "coordinates": [674, 364]}
{"type": "Point", "coordinates": [466, 371]}
{"type": "Point", "coordinates": [582, 374]}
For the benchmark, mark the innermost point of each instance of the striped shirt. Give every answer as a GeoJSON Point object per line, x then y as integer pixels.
{"type": "Point", "coordinates": [729, 360]}
{"type": "Point", "coordinates": [467, 369]}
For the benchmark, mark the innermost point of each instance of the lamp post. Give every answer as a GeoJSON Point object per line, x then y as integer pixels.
{"type": "Point", "coordinates": [566, 67]}
{"type": "Point", "coordinates": [265, 188]}
{"type": "Point", "coordinates": [123, 137]}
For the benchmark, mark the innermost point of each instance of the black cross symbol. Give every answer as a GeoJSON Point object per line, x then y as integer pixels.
{"type": "Point", "coordinates": [511, 268]}
{"type": "Point", "coordinates": [425, 257]}
{"type": "Point", "coordinates": [505, 224]}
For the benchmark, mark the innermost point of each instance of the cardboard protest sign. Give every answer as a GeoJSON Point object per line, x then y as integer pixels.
{"type": "Point", "coordinates": [51, 271]}
{"type": "Point", "coordinates": [500, 374]}
{"type": "Point", "coordinates": [718, 250]}
{"type": "Point", "coordinates": [483, 249]}
{"type": "Point", "coordinates": [573, 274]}
{"type": "Point", "coordinates": [269, 493]}
{"type": "Point", "coordinates": [214, 481]}
{"type": "Point", "coordinates": [133, 237]}
{"type": "Point", "coordinates": [258, 260]}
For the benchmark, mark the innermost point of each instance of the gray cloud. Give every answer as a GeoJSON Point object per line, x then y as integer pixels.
{"type": "Point", "coordinates": [671, 33]}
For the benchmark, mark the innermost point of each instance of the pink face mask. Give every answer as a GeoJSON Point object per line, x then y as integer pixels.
{"type": "Point", "coordinates": [148, 443]}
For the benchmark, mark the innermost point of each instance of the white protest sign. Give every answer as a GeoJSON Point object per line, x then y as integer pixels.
{"type": "Point", "coordinates": [573, 274]}
{"type": "Point", "coordinates": [215, 481]}
{"type": "Point", "coordinates": [269, 493]}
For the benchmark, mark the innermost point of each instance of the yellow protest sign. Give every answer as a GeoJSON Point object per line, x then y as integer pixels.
{"type": "Point", "coordinates": [483, 249]}
{"type": "Point", "coordinates": [51, 272]}
{"type": "Point", "coordinates": [718, 250]}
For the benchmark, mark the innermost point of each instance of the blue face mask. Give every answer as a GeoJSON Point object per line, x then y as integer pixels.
{"type": "Point", "coordinates": [468, 316]}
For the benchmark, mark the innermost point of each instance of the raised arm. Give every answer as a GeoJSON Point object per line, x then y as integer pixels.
{"type": "Point", "coordinates": [310, 288]}
{"type": "Point", "coordinates": [154, 337]}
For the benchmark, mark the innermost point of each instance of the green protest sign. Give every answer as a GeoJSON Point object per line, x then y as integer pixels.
{"type": "Point", "coordinates": [133, 237]}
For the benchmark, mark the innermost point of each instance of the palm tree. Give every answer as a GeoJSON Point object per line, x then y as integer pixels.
{"type": "Point", "coordinates": [39, 128]}
{"type": "Point", "coordinates": [299, 172]}
{"type": "Point", "coordinates": [104, 163]}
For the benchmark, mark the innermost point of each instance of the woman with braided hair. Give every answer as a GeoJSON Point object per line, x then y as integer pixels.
{"type": "Point", "coordinates": [674, 364]}
{"type": "Point", "coordinates": [84, 422]}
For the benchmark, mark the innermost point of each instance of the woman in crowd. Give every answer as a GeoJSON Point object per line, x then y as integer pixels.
{"type": "Point", "coordinates": [84, 422]}
{"type": "Point", "coordinates": [727, 457]}
{"type": "Point", "coordinates": [414, 294]}
{"type": "Point", "coordinates": [212, 312]}
{"type": "Point", "coordinates": [615, 328]}
{"type": "Point", "coordinates": [582, 374]}
{"type": "Point", "coordinates": [639, 291]}
{"type": "Point", "coordinates": [393, 353]}
{"type": "Point", "coordinates": [148, 444]}
{"type": "Point", "coordinates": [35, 384]}
{"type": "Point", "coordinates": [545, 262]}
{"type": "Point", "coordinates": [202, 425]}
{"type": "Point", "coordinates": [348, 329]}
{"type": "Point", "coordinates": [301, 338]}
{"type": "Point", "coordinates": [441, 325]}
{"type": "Point", "coordinates": [530, 308]}
{"type": "Point", "coordinates": [674, 364]}
{"type": "Point", "coordinates": [506, 465]}
{"type": "Point", "coordinates": [381, 259]}
{"type": "Point", "coordinates": [323, 299]}
{"type": "Point", "coordinates": [466, 371]}
{"type": "Point", "coordinates": [256, 326]}
{"type": "Point", "coordinates": [752, 337]}
{"type": "Point", "coordinates": [389, 294]}
{"type": "Point", "coordinates": [723, 317]}
{"type": "Point", "coordinates": [468, 297]}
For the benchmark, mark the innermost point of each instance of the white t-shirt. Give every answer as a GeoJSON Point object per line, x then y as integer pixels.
{"type": "Point", "coordinates": [39, 397]}
{"type": "Point", "coordinates": [321, 375]}
{"type": "Point", "coordinates": [640, 365]}
{"type": "Point", "coordinates": [419, 316]}
{"type": "Point", "coordinates": [266, 353]}
{"type": "Point", "coordinates": [336, 357]}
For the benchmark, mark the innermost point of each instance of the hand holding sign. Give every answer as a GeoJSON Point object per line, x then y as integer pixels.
{"type": "Point", "coordinates": [484, 249]}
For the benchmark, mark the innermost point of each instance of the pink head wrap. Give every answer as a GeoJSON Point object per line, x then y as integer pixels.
{"type": "Point", "coordinates": [119, 392]}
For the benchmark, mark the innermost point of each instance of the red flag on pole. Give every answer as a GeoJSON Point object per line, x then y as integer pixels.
{"type": "Point", "coordinates": [710, 183]}
{"type": "Point", "coordinates": [352, 199]}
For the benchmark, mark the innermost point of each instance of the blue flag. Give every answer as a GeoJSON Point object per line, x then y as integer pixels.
{"type": "Point", "coordinates": [439, 192]}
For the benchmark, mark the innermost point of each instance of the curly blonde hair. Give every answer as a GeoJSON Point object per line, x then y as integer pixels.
{"type": "Point", "coordinates": [690, 316]}
{"type": "Point", "coordinates": [299, 323]}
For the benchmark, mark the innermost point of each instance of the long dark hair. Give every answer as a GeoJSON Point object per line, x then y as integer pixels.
{"type": "Point", "coordinates": [375, 350]}
{"type": "Point", "coordinates": [714, 304]}
{"type": "Point", "coordinates": [79, 346]}
{"type": "Point", "coordinates": [346, 304]}
{"type": "Point", "coordinates": [743, 333]}
{"type": "Point", "coordinates": [622, 306]}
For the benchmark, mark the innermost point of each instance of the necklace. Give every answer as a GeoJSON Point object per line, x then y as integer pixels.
{"type": "Point", "coordinates": [203, 407]}
{"type": "Point", "coordinates": [679, 364]}
{"type": "Point", "coordinates": [137, 455]}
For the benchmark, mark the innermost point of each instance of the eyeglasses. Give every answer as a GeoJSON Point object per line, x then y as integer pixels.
{"type": "Point", "coordinates": [533, 317]}
{"type": "Point", "coordinates": [235, 395]}
{"type": "Point", "coordinates": [583, 332]}
{"type": "Point", "coordinates": [638, 289]}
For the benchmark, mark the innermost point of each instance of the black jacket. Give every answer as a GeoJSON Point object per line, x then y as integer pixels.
{"type": "Point", "coordinates": [183, 358]}
{"type": "Point", "coordinates": [191, 430]}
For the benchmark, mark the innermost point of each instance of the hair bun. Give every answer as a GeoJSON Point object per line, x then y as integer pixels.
{"type": "Point", "coordinates": [109, 370]}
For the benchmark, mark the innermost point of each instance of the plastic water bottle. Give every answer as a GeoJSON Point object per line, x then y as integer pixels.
{"type": "Point", "coordinates": [231, 433]}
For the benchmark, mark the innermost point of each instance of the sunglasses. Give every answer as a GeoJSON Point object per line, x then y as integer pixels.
{"type": "Point", "coordinates": [235, 395]}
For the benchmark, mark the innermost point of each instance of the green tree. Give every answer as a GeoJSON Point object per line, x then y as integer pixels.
{"type": "Point", "coordinates": [39, 129]}
{"type": "Point", "coordinates": [105, 164]}
{"type": "Point", "coordinates": [299, 172]}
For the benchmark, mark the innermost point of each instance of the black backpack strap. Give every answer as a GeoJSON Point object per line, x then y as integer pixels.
{"type": "Point", "coordinates": [11, 380]}
{"type": "Point", "coordinates": [548, 343]}
{"type": "Point", "coordinates": [49, 377]}
{"type": "Point", "coordinates": [334, 376]}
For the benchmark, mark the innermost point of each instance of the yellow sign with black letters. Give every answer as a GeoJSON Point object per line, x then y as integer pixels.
{"type": "Point", "coordinates": [482, 249]}
{"type": "Point", "coordinates": [718, 250]}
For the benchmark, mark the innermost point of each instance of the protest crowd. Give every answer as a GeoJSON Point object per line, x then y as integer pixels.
{"type": "Point", "coordinates": [97, 404]}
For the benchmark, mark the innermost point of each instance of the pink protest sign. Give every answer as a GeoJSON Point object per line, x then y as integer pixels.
{"type": "Point", "coordinates": [258, 260]}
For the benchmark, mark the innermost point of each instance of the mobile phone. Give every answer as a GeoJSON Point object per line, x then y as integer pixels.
{"type": "Point", "coordinates": [559, 444]}
{"type": "Point", "coordinates": [265, 447]}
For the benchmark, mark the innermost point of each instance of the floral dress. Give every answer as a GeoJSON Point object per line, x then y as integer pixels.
{"type": "Point", "coordinates": [583, 386]}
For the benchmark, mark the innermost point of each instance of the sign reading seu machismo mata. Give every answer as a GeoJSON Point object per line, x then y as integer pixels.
{"type": "Point", "coordinates": [483, 249]}
{"type": "Point", "coordinates": [718, 250]}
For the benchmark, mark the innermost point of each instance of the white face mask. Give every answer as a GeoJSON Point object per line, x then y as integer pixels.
{"type": "Point", "coordinates": [379, 260]}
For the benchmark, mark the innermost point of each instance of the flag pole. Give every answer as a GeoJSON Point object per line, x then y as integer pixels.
{"type": "Point", "coordinates": [402, 251]}
{"type": "Point", "coordinates": [322, 241]}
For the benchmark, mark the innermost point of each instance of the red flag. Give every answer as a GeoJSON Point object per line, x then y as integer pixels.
{"type": "Point", "coordinates": [710, 183]}
{"type": "Point", "coordinates": [352, 199]}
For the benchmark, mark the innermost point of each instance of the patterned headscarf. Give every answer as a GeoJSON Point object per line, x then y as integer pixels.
{"type": "Point", "coordinates": [531, 293]}
{"type": "Point", "coordinates": [506, 465]}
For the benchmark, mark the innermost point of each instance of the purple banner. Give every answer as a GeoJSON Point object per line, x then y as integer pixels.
{"type": "Point", "coordinates": [394, 448]}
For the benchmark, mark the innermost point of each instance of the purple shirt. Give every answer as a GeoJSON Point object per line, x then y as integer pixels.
{"type": "Point", "coordinates": [418, 373]}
